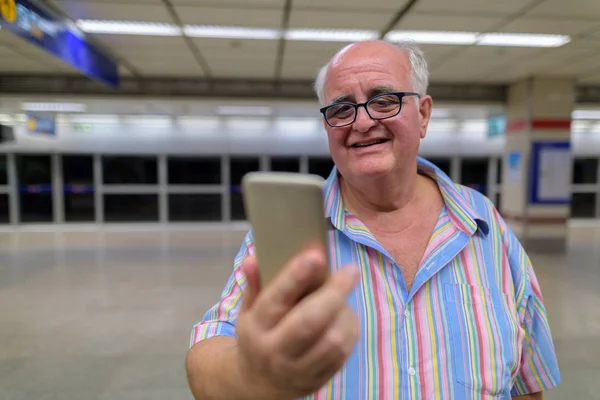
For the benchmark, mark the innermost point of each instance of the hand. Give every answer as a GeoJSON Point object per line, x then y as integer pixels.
{"type": "Point", "coordinates": [291, 344]}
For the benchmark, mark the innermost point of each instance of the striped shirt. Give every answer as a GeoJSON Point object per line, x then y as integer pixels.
{"type": "Point", "coordinates": [473, 325]}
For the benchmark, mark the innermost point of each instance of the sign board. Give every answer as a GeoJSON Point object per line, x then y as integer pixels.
{"type": "Point", "coordinates": [514, 167]}
{"type": "Point", "coordinates": [551, 173]}
{"type": "Point", "coordinates": [39, 26]}
{"type": "Point", "coordinates": [41, 123]}
{"type": "Point", "coordinates": [82, 127]}
{"type": "Point", "coordinates": [496, 126]}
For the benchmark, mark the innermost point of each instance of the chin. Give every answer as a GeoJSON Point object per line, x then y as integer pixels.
{"type": "Point", "coordinates": [372, 168]}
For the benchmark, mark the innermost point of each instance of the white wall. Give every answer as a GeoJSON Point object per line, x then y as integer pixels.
{"type": "Point", "coordinates": [246, 135]}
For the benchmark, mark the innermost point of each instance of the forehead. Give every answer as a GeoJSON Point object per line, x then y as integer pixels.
{"type": "Point", "coordinates": [359, 68]}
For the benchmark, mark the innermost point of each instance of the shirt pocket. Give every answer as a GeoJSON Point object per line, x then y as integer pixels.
{"type": "Point", "coordinates": [483, 337]}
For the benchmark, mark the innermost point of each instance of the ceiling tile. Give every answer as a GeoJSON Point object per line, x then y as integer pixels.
{"type": "Point", "coordinates": [585, 65]}
{"type": "Point", "coordinates": [350, 5]}
{"type": "Point", "coordinates": [231, 68]}
{"type": "Point", "coordinates": [437, 22]}
{"type": "Point", "coordinates": [147, 44]}
{"type": "Point", "coordinates": [339, 19]}
{"type": "Point", "coordinates": [115, 11]}
{"type": "Point", "coordinates": [237, 47]}
{"type": "Point", "coordinates": [491, 8]}
{"type": "Point", "coordinates": [580, 9]}
{"type": "Point", "coordinates": [548, 26]}
{"type": "Point", "coordinates": [239, 16]}
{"type": "Point", "coordinates": [257, 4]}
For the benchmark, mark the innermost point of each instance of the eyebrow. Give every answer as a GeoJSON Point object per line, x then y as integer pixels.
{"type": "Point", "coordinates": [376, 90]}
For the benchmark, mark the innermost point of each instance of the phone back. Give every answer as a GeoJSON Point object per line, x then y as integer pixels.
{"type": "Point", "coordinates": [286, 213]}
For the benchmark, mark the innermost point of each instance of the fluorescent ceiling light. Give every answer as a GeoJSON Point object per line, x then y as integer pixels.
{"type": "Point", "coordinates": [522, 40]}
{"type": "Point", "coordinates": [330, 35]}
{"type": "Point", "coordinates": [586, 114]}
{"type": "Point", "coordinates": [55, 107]}
{"type": "Point", "coordinates": [230, 32]}
{"type": "Point", "coordinates": [433, 37]}
{"type": "Point", "coordinates": [129, 28]}
{"type": "Point", "coordinates": [244, 125]}
{"type": "Point", "coordinates": [263, 111]}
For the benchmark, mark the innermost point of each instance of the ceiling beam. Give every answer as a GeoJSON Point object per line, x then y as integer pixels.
{"type": "Point", "coordinates": [218, 88]}
{"type": "Point", "coordinates": [397, 17]}
{"type": "Point", "coordinates": [285, 23]}
{"type": "Point", "coordinates": [188, 41]}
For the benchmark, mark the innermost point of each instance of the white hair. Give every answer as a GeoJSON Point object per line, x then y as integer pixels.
{"type": "Point", "coordinates": [416, 60]}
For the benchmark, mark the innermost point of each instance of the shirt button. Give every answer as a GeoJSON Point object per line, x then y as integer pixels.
{"type": "Point", "coordinates": [406, 313]}
{"type": "Point", "coordinates": [412, 372]}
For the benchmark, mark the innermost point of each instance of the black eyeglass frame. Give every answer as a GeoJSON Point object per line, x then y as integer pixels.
{"type": "Point", "coordinates": [400, 96]}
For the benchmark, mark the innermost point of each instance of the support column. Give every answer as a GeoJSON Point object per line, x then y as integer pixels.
{"type": "Point", "coordinates": [536, 183]}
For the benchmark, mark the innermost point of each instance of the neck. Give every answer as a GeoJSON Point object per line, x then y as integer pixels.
{"type": "Point", "coordinates": [381, 196]}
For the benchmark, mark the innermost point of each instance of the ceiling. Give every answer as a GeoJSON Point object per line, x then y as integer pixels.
{"type": "Point", "coordinates": [179, 56]}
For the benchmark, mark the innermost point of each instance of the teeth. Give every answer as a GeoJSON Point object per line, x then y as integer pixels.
{"type": "Point", "coordinates": [369, 143]}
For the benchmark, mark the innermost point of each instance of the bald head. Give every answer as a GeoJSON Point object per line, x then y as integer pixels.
{"type": "Point", "coordinates": [404, 52]}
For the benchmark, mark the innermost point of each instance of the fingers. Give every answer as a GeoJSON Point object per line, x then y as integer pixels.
{"type": "Point", "coordinates": [288, 287]}
{"type": "Point", "coordinates": [306, 324]}
{"type": "Point", "coordinates": [250, 269]}
{"type": "Point", "coordinates": [334, 347]}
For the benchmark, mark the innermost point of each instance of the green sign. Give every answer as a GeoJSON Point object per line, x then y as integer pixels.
{"type": "Point", "coordinates": [496, 126]}
{"type": "Point", "coordinates": [81, 127]}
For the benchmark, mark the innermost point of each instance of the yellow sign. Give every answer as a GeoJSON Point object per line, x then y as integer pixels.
{"type": "Point", "coordinates": [8, 9]}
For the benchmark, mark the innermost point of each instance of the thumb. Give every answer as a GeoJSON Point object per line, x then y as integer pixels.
{"type": "Point", "coordinates": [250, 270]}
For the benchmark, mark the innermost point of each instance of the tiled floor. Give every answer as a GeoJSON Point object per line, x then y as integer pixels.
{"type": "Point", "coordinates": [107, 315]}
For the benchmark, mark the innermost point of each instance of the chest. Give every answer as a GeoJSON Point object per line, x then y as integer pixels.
{"type": "Point", "coordinates": [407, 248]}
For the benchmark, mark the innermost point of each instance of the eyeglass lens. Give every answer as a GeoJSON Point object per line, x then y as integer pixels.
{"type": "Point", "coordinates": [380, 107]}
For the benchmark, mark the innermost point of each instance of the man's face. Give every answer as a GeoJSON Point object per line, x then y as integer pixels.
{"type": "Point", "coordinates": [359, 73]}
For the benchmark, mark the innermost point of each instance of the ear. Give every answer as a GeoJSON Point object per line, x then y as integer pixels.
{"type": "Point", "coordinates": [425, 107]}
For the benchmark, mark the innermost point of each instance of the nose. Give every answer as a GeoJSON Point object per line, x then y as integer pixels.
{"type": "Point", "coordinates": [363, 122]}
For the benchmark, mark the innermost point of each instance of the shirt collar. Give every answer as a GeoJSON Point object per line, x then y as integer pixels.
{"type": "Point", "coordinates": [460, 209]}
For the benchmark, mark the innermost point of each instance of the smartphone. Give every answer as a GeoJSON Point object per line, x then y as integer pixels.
{"type": "Point", "coordinates": [287, 215]}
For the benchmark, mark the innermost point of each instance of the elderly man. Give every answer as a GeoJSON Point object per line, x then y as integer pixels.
{"type": "Point", "coordinates": [431, 295]}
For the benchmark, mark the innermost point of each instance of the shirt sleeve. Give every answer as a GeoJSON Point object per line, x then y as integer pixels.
{"type": "Point", "coordinates": [220, 319]}
{"type": "Point", "coordinates": [538, 367]}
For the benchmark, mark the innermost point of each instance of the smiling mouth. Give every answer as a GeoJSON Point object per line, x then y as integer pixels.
{"type": "Point", "coordinates": [370, 143]}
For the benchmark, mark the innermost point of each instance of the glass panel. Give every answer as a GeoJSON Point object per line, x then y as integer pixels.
{"type": "Point", "coordinates": [320, 166]}
{"type": "Point", "coordinates": [285, 164]}
{"type": "Point", "coordinates": [240, 166]}
{"type": "Point", "coordinates": [499, 170]}
{"type": "Point", "coordinates": [36, 207]}
{"type": "Point", "coordinates": [34, 176]}
{"type": "Point", "coordinates": [34, 170]}
{"type": "Point", "coordinates": [130, 170]}
{"type": "Point", "coordinates": [238, 213]}
{"type": "Point", "coordinates": [3, 171]}
{"type": "Point", "coordinates": [80, 207]}
{"type": "Point", "coordinates": [131, 207]}
{"type": "Point", "coordinates": [583, 205]}
{"type": "Point", "coordinates": [4, 209]}
{"type": "Point", "coordinates": [78, 177]}
{"type": "Point", "coordinates": [585, 170]}
{"type": "Point", "coordinates": [445, 164]}
{"type": "Point", "coordinates": [195, 207]}
{"type": "Point", "coordinates": [78, 170]}
{"type": "Point", "coordinates": [191, 171]}
{"type": "Point", "coordinates": [474, 173]}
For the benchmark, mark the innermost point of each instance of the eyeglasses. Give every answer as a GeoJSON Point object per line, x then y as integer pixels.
{"type": "Point", "coordinates": [379, 107]}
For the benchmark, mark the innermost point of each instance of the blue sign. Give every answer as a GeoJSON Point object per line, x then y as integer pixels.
{"type": "Point", "coordinates": [550, 173]}
{"type": "Point", "coordinates": [29, 21]}
{"type": "Point", "coordinates": [44, 123]}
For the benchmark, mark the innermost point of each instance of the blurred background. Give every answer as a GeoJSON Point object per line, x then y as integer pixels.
{"type": "Point", "coordinates": [126, 127]}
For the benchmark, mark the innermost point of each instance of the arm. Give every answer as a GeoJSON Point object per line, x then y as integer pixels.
{"type": "Point", "coordinates": [211, 363]}
{"type": "Point", "coordinates": [537, 369]}
{"type": "Point", "coordinates": [212, 371]}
